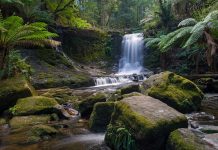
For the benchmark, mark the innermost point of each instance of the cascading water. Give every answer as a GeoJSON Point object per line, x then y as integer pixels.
{"type": "Point", "coordinates": [132, 54]}
{"type": "Point", "coordinates": [131, 62]}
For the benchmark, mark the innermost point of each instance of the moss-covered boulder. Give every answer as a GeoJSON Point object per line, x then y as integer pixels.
{"type": "Point", "coordinates": [35, 105]}
{"type": "Point", "coordinates": [63, 96]}
{"type": "Point", "coordinates": [43, 130]}
{"type": "Point", "coordinates": [101, 116]}
{"type": "Point", "coordinates": [129, 89]}
{"type": "Point", "coordinates": [185, 139]}
{"type": "Point", "coordinates": [174, 90]}
{"type": "Point", "coordinates": [86, 106]}
{"type": "Point", "coordinates": [12, 89]}
{"type": "Point", "coordinates": [25, 121]}
{"type": "Point", "coordinates": [145, 120]}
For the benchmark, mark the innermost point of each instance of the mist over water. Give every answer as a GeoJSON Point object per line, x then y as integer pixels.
{"type": "Point", "coordinates": [131, 61]}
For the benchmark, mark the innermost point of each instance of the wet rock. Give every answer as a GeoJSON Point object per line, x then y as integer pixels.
{"type": "Point", "coordinates": [101, 116]}
{"type": "Point", "coordinates": [25, 121]}
{"type": "Point", "coordinates": [43, 130]}
{"type": "Point", "coordinates": [174, 90]}
{"type": "Point", "coordinates": [35, 105]}
{"type": "Point", "coordinates": [63, 96]}
{"type": "Point", "coordinates": [12, 89]}
{"type": "Point", "coordinates": [212, 139]}
{"type": "Point", "coordinates": [185, 139]}
{"type": "Point", "coordinates": [129, 89]}
{"type": "Point", "coordinates": [148, 122]}
{"type": "Point", "coordinates": [209, 129]}
{"type": "Point", "coordinates": [210, 104]}
{"type": "Point", "coordinates": [86, 106]}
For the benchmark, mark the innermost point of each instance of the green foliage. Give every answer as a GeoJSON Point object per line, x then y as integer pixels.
{"type": "Point", "coordinates": [123, 139]}
{"type": "Point", "coordinates": [18, 65]}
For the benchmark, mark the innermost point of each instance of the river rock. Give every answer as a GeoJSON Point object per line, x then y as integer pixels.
{"type": "Point", "coordinates": [12, 89]}
{"type": "Point", "coordinates": [86, 106]}
{"type": "Point", "coordinates": [129, 89]}
{"type": "Point", "coordinates": [174, 90]}
{"type": "Point", "coordinates": [101, 116]}
{"type": "Point", "coordinates": [24, 121]}
{"type": "Point", "coordinates": [185, 139]}
{"type": "Point", "coordinates": [148, 122]}
{"type": "Point", "coordinates": [212, 139]}
{"type": "Point", "coordinates": [39, 132]}
{"type": "Point", "coordinates": [35, 105]}
{"type": "Point", "coordinates": [210, 104]}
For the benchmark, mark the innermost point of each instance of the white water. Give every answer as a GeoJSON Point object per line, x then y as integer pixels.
{"type": "Point", "coordinates": [130, 63]}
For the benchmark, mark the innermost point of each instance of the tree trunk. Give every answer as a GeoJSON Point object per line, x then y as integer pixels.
{"type": "Point", "coordinates": [2, 58]}
{"type": "Point", "coordinates": [197, 63]}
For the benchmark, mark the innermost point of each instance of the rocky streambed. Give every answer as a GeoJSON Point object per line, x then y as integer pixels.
{"type": "Point", "coordinates": [166, 111]}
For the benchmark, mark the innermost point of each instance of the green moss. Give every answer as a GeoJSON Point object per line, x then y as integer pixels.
{"type": "Point", "coordinates": [43, 130]}
{"type": "Point", "coordinates": [12, 89]}
{"type": "Point", "coordinates": [86, 106]}
{"type": "Point", "coordinates": [25, 121]}
{"type": "Point", "coordinates": [178, 92]}
{"type": "Point", "coordinates": [146, 131]}
{"type": "Point", "coordinates": [183, 141]}
{"type": "Point", "coordinates": [132, 94]}
{"type": "Point", "coordinates": [63, 95]}
{"type": "Point", "coordinates": [34, 105]}
{"type": "Point", "coordinates": [2, 121]}
{"type": "Point", "coordinates": [129, 89]}
{"type": "Point", "coordinates": [101, 116]}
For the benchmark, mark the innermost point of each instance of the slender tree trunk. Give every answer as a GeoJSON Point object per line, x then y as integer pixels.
{"type": "Point", "coordinates": [197, 63]}
{"type": "Point", "coordinates": [2, 58]}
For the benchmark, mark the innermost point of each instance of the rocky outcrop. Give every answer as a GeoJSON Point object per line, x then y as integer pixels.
{"type": "Point", "coordinates": [174, 90]}
{"type": "Point", "coordinates": [129, 89]}
{"type": "Point", "coordinates": [35, 105]}
{"type": "Point", "coordinates": [210, 104]}
{"type": "Point", "coordinates": [101, 116]}
{"type": "Point", "coordinates": [12, 89]}
{"type": "Point", "coordinates": [86, 106]}
{"type": "Point", "coordinates": [185, 139]}
{"type": "Point", "coordinates": [145, 121]}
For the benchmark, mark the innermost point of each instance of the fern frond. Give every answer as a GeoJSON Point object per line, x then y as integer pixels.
{"type": "Point", "coordinates": [166, 38]}
{"type": "Point", "coordinates": [183, 34]}
{"type": "Point", "coordinates": [195, 36]}
{"type": "Point", "coordinates": [188, 22]}
{"type": "Point", "coordinates": [211, 16]}
{"type": "Point", "coordinates": [153, 42]}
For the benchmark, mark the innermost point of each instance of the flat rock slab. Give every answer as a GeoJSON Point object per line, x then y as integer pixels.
{"type": "Point", "coordinates": [148, 120]}
{"type": "Point", "coordinates": [212, 139]}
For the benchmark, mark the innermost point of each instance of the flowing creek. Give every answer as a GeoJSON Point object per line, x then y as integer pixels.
{"type": "Point", "coordinates": [75, 134]}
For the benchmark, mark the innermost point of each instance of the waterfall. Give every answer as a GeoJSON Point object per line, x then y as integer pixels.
{"type": "Point", "coordinates": [131, 62]}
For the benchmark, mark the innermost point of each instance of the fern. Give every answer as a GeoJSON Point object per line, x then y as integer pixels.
{"type": "Point", "coordinates": [196, 34]}
{"type": "Point", "coordinates": [187, 22]}
{"type": "Point", "coordinates": [152, 42]}
{"type": "Point", "coordinates": [182, 34]}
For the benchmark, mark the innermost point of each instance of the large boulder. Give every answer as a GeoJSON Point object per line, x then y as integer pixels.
{"type": "Point", "coordinates": [174, 90]}
{"type": "Point", "coordinates": [35, 105]}
{"type": "Point", "coordinates": [185, 139]}
{"type": "Point", "coordinates": [25, 121]}
{"type": "Point", "coordinates": [129, 89]}
{"type": "Point", "coordinates": [143, 120]}
{"type": "Point", "coordinates": [12, 89]}
{"type": "Point", "coordinates": [87, 105]}
{"type": "Point", "coordinates": [101, 116]}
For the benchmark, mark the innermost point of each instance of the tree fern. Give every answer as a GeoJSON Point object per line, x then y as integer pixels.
{"type": "Point", "coordinates": [181, 35]}
{"type": "Point", "coordinates": [188, 22]}
{"type": "Point", "coordinates": [14, 32]}
{"type": "Point", "coordinates": [152, 42]}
